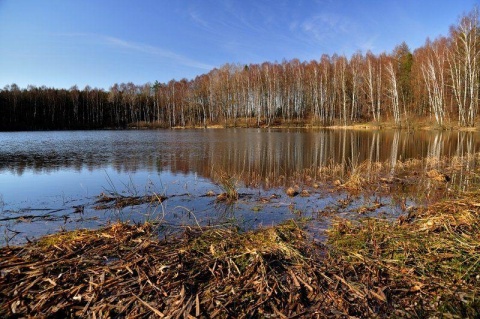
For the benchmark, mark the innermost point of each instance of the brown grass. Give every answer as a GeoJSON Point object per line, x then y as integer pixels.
{"type": "Point", "coordinates": [229, 186]}
{"type": "Point", "coordinates": [426, 264]}
{"type": "Point", "coordinates": [107, 201]}
{"type": "Point", "coordinates": [127, 271]}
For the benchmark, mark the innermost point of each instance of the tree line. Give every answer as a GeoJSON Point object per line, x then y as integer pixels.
{"type": "Point", "coordinates": [439, 81]}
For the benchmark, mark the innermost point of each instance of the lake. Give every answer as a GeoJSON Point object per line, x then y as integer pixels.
{"type": "Point", "coordinates": [50, 181]}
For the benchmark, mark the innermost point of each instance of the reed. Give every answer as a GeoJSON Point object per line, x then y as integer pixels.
{"type": "Point", "coordinates": [229, 187]}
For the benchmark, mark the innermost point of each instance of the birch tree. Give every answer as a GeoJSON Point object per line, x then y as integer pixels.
{"type": "Point", "coordinates": [463, 59]}
{"type": "Point", "coordinates": [372, 75]}
{"type": "Point", "coordinates": [393, 92]}
{"type": "Point", "coordinates": [433, 70]}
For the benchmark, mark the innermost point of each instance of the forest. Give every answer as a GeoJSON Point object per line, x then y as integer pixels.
{"type": "Point", "coordinates": [438, 83]}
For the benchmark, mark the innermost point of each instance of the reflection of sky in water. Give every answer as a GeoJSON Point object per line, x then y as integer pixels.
{"type": "Point", "coordinates": [56, 194]}
{"type": "Point", "coordinates": [54, 188]}
{"type": "Point", "coordinates": [51, 198]}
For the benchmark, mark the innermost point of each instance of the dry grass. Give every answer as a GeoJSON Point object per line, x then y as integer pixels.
{"type": "Point", "coordinates": [106, 201]}
{"type": "Point", "coordinates": [229, 186]}
{"type": "Point", "coordinates": [406, 175]}
{"type": "Point", "coordinates": [427, 264]}
{"type": "Point", "coordinates": [126, 271]}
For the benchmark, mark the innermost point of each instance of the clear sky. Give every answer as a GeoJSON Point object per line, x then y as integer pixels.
{"type": "Point", "coordinates": [60, 43]}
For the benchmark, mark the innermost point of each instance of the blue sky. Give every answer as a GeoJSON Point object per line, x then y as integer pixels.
{"type": "Point", "coordinates": [60, 43]}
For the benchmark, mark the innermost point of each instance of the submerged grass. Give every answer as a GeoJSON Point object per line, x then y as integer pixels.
{"type": "Point", "coordinates": [108, 201]}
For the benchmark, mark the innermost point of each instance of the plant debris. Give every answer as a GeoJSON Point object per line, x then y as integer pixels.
{"type": "Point", "coordinates": [425, 264]}
{"type": "Point", "coordinates": [126, 271]}
{"type": "Point", "coordinates": [105, 201]}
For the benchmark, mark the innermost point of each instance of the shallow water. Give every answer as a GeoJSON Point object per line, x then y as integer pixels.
{"type": "Point", "coordinates": [52, 179]}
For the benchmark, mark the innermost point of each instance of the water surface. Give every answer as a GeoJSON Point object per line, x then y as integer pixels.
{"type": "Point", "coordinates": [52, 179]}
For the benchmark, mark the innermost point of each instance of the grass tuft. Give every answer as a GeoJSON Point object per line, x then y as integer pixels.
{"type": "Point", "coordinates": [229, 186]}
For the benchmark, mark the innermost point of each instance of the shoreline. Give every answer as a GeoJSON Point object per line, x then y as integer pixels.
{"type": "Point", "coordinates": [419, 125]}
{"type": "Point", "coordinates": [367, 126]}
{"type": "Point", "coordinates": [425, 262]}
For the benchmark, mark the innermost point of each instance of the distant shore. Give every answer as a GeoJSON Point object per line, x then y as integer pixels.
{"type": "Point", "coordinates": [420, 125]}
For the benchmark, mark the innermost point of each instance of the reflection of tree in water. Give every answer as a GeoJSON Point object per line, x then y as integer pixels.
{"type": "Point", "coordinates": [257, 157]}
{"type": "Point", "coordinates": [394, 152]}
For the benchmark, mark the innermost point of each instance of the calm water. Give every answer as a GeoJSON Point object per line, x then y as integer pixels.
{"type": "Point", "coordinates": [46, 177]}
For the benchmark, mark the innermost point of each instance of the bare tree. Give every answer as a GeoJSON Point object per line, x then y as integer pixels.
{"type": "Point", "coordinates": [393, 92]}
{"type": "Point", "coordinates": [433, 70]}
{"type": "Point", "coordinates": [463, 58]}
